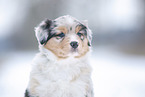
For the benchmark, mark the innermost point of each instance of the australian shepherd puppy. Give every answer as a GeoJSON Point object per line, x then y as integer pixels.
{"type": "Point", "coordinates": [61, 69]}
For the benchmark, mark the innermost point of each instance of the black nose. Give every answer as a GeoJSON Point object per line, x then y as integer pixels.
{"type": "Point", "coordinates": [74, 44]}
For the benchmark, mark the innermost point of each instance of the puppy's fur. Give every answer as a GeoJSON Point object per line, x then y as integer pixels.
{"type": "Point", "coordinates": [61, 69]}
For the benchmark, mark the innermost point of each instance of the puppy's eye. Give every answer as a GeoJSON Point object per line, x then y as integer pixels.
{"type": "Point", "coordinates": [59, 36]}
{"type": "Point", "coordinates": [80, 35]}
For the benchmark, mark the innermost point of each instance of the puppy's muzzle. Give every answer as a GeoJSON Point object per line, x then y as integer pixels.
{"type": "Point", "coordinates": [74, 44]}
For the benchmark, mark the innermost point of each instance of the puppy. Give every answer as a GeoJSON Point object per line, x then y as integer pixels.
{"type": "Point", "coordinates": [61, 69]}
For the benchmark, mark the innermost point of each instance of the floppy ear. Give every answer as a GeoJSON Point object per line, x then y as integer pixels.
{"type": "Point", "coordinates": [89, 32]}
{"type": "Point", "coordinates": [42, 31]}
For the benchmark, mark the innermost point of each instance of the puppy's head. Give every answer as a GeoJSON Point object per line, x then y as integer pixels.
{"type": "Point", "coordinates": [64, 36]}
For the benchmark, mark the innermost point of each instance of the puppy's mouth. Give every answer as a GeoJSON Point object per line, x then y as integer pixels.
{"type": "Point", "coordinates": [74, 50]}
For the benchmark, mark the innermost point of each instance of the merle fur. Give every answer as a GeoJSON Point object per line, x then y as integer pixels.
{"type": "Point", "coordinates": [83, 28]}
{"type": "Point", "coordinates": [48, 26]}
{"type": "Point", "coordinates": [85, 32]}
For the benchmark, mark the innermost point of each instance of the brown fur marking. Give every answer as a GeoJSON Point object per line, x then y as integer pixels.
{"type": "Point", "coordinates": [60, 49]}
{"type": "Point", "coordinates": [78, 28]}
{"type": "Point", "coordinates": [62, 29]}
{"type": "Point", "coordinates": [83, 48]}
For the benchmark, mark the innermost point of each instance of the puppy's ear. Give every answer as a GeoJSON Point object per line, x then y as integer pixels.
{"type": "Point", "coordinates": [89, 32]}
{"type": "Point", "coordinates": [42, 31]}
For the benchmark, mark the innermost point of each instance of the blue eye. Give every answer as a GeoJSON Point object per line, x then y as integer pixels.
{"type": "Point", "coordinates": [59, 36]}
{"type": "Point", "coordinates": [80, 35]}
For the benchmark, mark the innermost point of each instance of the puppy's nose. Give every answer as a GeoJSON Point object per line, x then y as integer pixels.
{"type": "Point", "coordinates": [74, 44]}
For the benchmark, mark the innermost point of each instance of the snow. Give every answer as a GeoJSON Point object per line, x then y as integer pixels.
{"type": "Point", "coordinates": [114, 74]}
{"type": "Point", "coordinates": [118, 75]}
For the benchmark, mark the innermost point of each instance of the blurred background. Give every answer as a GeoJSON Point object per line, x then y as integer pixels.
{"type": "Point", "coordinates": [118, 44]}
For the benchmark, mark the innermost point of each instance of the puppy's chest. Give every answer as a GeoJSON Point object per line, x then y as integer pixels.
{"type": "Point", "coordinates": [68, 81]}
{"type": "Point", "coordinates": [57, 72]}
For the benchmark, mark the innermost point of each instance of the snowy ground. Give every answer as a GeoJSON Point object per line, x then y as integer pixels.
{"type": "Point", "coordinates": [114, 74]}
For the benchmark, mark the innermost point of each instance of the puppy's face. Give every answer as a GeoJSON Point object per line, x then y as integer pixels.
{"type": "Point", "coordinates": [64, 36]}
